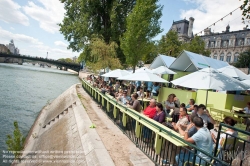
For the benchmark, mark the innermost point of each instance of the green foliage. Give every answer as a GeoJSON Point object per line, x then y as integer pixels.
{"type": "Point", "coordinates": [15, 143]}
{"type": "Point", "coordinates": [87, 19]}
{"type": "Point", "coordinates": [142, 25]}
{"type": "Point", "coordinates": [243, 60]}
{"type": "Point", "coordinates": [197, 45]}
{"type": "Point", "coordinates": [245, 7]}
{"type": "Point", "coordinates": [170, 45]}
{"type": "Point", "coordinates": [152, 53]}
{"type": "Point", "coordinates": [103, 55]}
{"type": "Point", "coordinates": [68, 60]}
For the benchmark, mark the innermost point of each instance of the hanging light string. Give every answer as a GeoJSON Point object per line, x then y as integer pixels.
{"type": "Point", "coordinates": [218, 20]}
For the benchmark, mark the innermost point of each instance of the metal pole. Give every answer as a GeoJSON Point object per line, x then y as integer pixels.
{"type": "Point", "coordinates": [206, 97]}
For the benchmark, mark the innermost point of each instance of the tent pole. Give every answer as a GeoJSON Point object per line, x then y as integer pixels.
{"type": "Point", "coordinates": [206, 97]}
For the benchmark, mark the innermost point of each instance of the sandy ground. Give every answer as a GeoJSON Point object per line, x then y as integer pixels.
{"type": "Point", "coordinates": [122, 151]}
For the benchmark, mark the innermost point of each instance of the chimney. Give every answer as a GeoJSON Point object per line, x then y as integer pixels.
{"type": "Point", "coordinates": [190, 26]}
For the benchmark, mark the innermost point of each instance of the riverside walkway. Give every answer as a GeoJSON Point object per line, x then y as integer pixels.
{"type": "Point", "coordinates": [62, 135]}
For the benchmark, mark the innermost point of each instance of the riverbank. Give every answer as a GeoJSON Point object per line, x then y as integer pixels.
{"type": "Point", "coordinates": [61, 135]}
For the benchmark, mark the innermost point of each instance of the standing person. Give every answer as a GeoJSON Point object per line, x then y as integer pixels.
{"type": "Point", "coordinates": [160, 114]}
{"type": "Point", "coordinates": [149, 86]}
{"type": "Point", "coordinates": [136, 104]}
{"type": "Point", "coordinates": [202, 139]}
{"type": "Point", "coordinates": [155, 89]}
{"type": "Point", "coordinates": [203, 113]}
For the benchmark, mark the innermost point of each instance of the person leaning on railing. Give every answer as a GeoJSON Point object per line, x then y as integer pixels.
{"type": "Point", "coordinates": [136, 104]}
{"type": "Point", "coordinates": [160, 115]}
{"type": "Point", "coordinates": [203, 140]}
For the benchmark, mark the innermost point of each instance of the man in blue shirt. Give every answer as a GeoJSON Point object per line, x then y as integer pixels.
{"type": "Point", "coordinates": [125, 99]}
{"type": "Point", "coordinates": [155, 89]}
{"type": "Point", "coordinates": [149, 86]}
{"type": "Point", "coordinates": [202, 139]}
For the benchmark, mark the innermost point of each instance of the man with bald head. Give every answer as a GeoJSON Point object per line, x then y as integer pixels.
{"type": "Point", "coordinates": [150, 111]}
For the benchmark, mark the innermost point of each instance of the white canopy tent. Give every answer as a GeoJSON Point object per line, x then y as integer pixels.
{"type": "Point", "coordinates": [191, 62]}
{"type": "Point", "coordinates": [163, 70]}
{"type": "Point", "coordinates": [162, 60]}
{"type": "Point", "coordinates": [233, 72]}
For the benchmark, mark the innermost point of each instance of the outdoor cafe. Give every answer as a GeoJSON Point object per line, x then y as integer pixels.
{"type": "Point", "coordinates": [165, 141]}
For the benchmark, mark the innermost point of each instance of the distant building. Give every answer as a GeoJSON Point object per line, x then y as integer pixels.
{"type": "Point", "coordinates": [74, 59]}
{"type": "Point", "coordinates": [184, 28]}
{"type": "Point", "coordinates": [12, 48]}
{"type": "Point", "coordinates": [227, 46]}
{"type": "Point", "coordinates": [3, 49]}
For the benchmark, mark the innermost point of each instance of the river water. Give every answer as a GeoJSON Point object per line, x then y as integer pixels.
{"type": "Point", "coordinates": [24, 91]}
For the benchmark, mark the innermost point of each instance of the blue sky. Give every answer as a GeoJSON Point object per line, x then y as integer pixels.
{"type": "Point", "coordinates": [32, 24]}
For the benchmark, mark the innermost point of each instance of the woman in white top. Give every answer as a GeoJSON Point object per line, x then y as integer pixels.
{"type": "Point", "coordinates": [228, 133]}
{"type": "Point", "coordinates": [140, 93]}
{"type": "Point", "coordinates": [170, 103]}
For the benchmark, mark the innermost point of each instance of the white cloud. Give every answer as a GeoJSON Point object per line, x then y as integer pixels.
{"type": "Point", "coordinates": [12, 28]}
{"type": "Point", "coordinates": [60, 44]}
{"type": "Point", "coordinates": [33, 47]}
{"type": "Point", "coordinates": [48, 15]}
{"type": "Point", "coordinates": [209, 11]}
{"type": "Point", "coordinates": [10, 13]}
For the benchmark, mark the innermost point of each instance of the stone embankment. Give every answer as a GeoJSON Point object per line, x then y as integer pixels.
{"type": "Point", "coordinates": [61, 135]}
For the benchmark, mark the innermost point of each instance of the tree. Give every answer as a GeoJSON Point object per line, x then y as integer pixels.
{"type": "Point", "coordinates": [243, 60]}
{"type": "Point", "coordinates": [153, 52]}
{"type": "Point", "coordinates": [15, 143]}
{"type": "Point", "coordinates": [103, 55]}
{"type": "Point", "coordinates": [245, 7]}
{"type": "Point", "coordinates": [197, 45]}
{"type": "Point", "coordinates": [86, 19]}
{"type": "Point", "coordinates": [142, 25]}
{"type": "Point", "coordinates": [169, 44]}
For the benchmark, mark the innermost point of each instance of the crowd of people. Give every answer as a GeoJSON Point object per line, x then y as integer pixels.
{"type": "Point", "coordinates": [193, 122]}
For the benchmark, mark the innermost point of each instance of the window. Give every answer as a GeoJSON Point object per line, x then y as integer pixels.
{"type": "Point", "coordinates": [212, 44]}
{"type": "Point", "coordinates": [228, 58]}
{"type": "Point", "coordinates": [240, 42]}
{"type": "Point", "coordinates": [215, 56]}
{"type": "Point", "coordinates": [236, 56]}
{"type": "Point", "coordinates": [248, 41]}
{"type": "Point", "coordinates": [218, 44]}
{"type": "Point", "coordinates": [224, 43]}
{"type": "Point", "coordinates": [222, 57]}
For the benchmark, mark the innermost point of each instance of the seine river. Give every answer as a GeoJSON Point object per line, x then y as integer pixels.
{"type": "Point", "coordinates": [24, 91]}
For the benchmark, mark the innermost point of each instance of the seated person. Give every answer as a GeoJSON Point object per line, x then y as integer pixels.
{"type": "Point", "coordinates": [119, 94]}
{"type": "Point", "coordinates": [111, 91]}
{"type": "Point", "coordinates": [183, 120]}
{"type": "Point", "coordinates": [151, 109]}
{"type": "Point", "coordinates": [176, 101]}
{"type": "Point", "coordinates": [195, 109]}
{"type": "Point", "coordinates": [204, 114]}
{"type": "Point", "coordinates": [170, 103]}
{"type": "Point", "coordinates": [190, 106]}
{"type": "Point", "coordinates": [140, 93]}
{"type": "Point", "coordinates": [202, 139]}
{"type": "Point", "coordinates": [191, 127]}
{"type": "Point", "coordinates": [160, 114]}
{"type": "Point", "coordinates": [247, 108]}
{"type": "Point", "coordinates": [136, 104]}
{"type": "Point", "coordinates": [230, 132]}
{"type": "Point", "coordinates": [125, 99]}
{"type": "Point", "coordinates": [148, 94]}
{"type": "Point", "coordinates": [117, 86]}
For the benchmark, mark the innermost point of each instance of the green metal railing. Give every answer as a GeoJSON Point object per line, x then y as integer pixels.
{"type": "Point", "coordinates": [159, 143]}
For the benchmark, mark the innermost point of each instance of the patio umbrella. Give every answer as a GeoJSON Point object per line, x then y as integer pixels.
{"type": "Point", "coordinates": [209, 78]}
{"type": "Point", "coordinates": [143, 76]}
{"type": "Point", "coordinates": [143, 69]}
{"type": "Point", "coordinates": [233, 72]}
{"type": "Point", "coordinates": [163, 70]}
{"type": "Point", "coordinates": [116, 73]}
